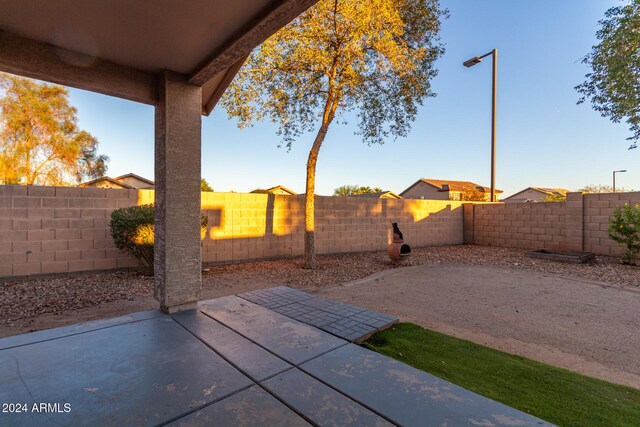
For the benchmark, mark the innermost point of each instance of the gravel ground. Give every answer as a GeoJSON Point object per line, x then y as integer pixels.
{"type": "Point", "coordinates": [572, 323]}
{"type": "Point", "coordinates": [33, 298]}
{"type": "Point", "coordinates": [337, 269]}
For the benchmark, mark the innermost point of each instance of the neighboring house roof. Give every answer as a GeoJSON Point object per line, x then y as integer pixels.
{"type": "Point", "coordinates": [559, 191]}
{"type": "Point", "coordinates": [542, 190]}
{"type": "Point", "coordinates": [138, 177]}
{"type": "Point", "coordinates": [450, 185]}
{"type": "Point", "coordinates": [380, 195]}
{"type": "Point", "coordinates": [278, 189]}
{"type": "Point", "coordinates": [105, 179]}
{"type": "Point", "coordinates": [120, 181]}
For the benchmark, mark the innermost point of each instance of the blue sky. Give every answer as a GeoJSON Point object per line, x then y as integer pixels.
{"type": "Point", "coordinates": [544, 138]}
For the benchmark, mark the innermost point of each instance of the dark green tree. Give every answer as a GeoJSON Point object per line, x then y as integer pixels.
{"type": "Point", "coordinates": [613, 86]}
{"type": "Point", "coordinates": [204, 185]}
{"type": "Point", "coordinates": [353, 190]}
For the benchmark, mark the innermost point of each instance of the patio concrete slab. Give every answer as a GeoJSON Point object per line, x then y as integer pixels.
{"type": "Point", "coordinates": [406, 395]}
{"type": "Point", "coordinates": [251, 407]}
{"type": "Point", "coordinates": [319, 403]}
{"type": "Point", "coordinates": [139, 373]}
{"type": "Point", "coordinates": [50, 334]}
{"type": "Point", "coordinates": [346, 321]}
{"type": "Point", "coordinates": [293, 341]}
{"type": "Point", "coordinates": [251, 359]}
{"type": "Point", "coordinates": [231, 362]}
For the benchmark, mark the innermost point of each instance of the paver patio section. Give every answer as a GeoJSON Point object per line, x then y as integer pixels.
{"type": "Point", "coordinates": [346, 321]}
{"type": "Point", "coordinates": [230, 362]}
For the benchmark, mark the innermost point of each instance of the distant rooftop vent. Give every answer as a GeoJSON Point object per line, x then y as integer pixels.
{"type": "Point", "coordinates": [445, 187]}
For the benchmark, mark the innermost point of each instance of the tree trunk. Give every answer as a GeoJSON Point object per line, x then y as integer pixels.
{"type": "Point", "coordinates": [309, 199]}
{"type": "Point", "coordinates": [329, 113]}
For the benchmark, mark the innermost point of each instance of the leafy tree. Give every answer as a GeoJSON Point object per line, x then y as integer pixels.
{"type": "Point", "coordinates": [375, 57]}
{"type": "Point", "coordinates": [473, 196]}
{"type": "Point", "coordinates": [352, 190]}
{"type": "Point", "coordinates": [204, 185]}
{"type": "Point", "coordinates": [597, 188]}
{"type": "Point", "coordinates": [40, 142]}
{"type": "Point", "coordinates": [613, 86]}
{"type": "Point", "coordinates": [593, 188]}
{"type": "Point", "coordinates": [552, 198]}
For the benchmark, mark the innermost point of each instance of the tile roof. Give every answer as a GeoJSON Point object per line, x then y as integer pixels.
{"type": "Point", "coordinates": [272, 190]}
{"type": "Point", "coordinates": [133, 175]}
{"type": "Point", "coordinates": [456, 185]}
{"type": "Point", "coordinates": [544, 190]}
{"type": "Point", "coordinates": [560, 191]}
{"type": "Point", "coordinates": [106, 179]}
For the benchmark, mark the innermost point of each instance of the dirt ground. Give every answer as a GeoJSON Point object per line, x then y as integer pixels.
{"type": "Point", "coordinates": [586, 326]}
{"type": "Point", "coordinates": [581, 317]}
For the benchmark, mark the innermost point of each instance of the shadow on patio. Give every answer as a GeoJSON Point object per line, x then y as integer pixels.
{"type": "Point", "coordinates": [231, 362]}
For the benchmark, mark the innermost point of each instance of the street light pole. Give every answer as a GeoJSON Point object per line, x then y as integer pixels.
{"type": "Point", "coordinates": [493, 125]}
{"type": "Point", "coordinates": [470, 63]}
{"type": "Point", "coordinates": [614, 178]}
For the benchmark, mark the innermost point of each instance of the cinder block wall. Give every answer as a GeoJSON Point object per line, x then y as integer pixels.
{"type": "Point", "coordinates": [520, 225]}
{"type": "Point", "coordinates": [254, 226]}
{"type": "Point", "coordinates": [46, 230]}
{"type": "Point", "coordinates": [50, 230]}
{"type": "Point", "coordinates": [580, 223]}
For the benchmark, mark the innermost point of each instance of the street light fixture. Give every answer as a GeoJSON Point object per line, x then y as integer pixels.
{"type": "Point", "coordinates": [470, 63]}
{"type": "Point", "coordinates": [614, 178]}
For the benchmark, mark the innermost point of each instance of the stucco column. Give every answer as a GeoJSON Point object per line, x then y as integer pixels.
{"type": "Point", "coordinates": [177, 274]}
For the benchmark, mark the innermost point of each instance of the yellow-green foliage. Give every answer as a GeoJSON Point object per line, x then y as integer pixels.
{"type": "Point", "coordinates": [374, 58]}
{"type": "Point", "coordinates": [40, 142]}
{"type": "Point", "coordinates": [473, 196]}
{"type": "Point", "coordinates": [553, 198]}
{"type": "Point", "coordinates": [144, 235]}
{"type": "Point", "coordinates": [624, 228]}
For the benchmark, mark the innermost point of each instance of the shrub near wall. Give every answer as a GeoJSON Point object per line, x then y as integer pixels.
{"type": "Point", "coordinates": [598, 208]}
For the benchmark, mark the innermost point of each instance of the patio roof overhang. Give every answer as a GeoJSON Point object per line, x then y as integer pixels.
{"type": "Point", "coordinates": [120, 47]}
{"type": "Point", "coordinates": [177, 56]}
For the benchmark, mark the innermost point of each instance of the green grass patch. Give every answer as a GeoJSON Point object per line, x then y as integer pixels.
{"type": "Point", "coordinates": [556, 395]}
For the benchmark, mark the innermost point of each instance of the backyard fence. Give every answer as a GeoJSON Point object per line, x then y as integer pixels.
{"type": "Point", "coordinates": [579, 224]}
{"type": "Point", "coordinates": [58, 230]}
